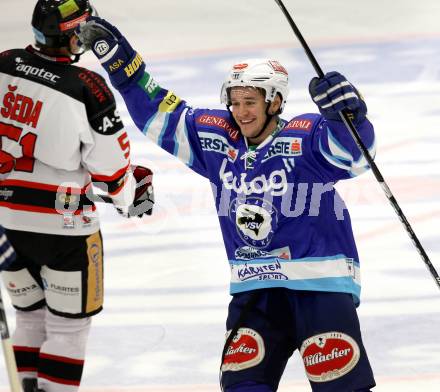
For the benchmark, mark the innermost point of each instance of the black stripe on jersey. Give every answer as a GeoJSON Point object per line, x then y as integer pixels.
{"type": "Point", "coordinates": [61, 201]}
{"type": "Point", "coordinates": [62, 370]}
{"type": "Point", "coordinates": [26, 358]}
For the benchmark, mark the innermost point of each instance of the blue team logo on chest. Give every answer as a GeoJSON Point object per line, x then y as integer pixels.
{"type": "Point", "coordinates": [255, 220]}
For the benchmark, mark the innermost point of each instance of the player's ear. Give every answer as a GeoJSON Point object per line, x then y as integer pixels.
{"type": "Point", "coordinates": [275, 105]}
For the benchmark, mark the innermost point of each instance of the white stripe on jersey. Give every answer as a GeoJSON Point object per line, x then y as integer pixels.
{"type": "Point", "coordinates": [155, 127]}
{"type": "Point", "coordinates": [183, 149]}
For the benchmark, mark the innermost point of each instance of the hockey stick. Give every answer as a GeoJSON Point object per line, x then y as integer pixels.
{"type": "Point", "coordinates": [8, 352]}
{"type": "Point", "coordinates": [354, 133]}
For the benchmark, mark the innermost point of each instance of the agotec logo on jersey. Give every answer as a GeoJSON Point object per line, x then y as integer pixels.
{"type": "Point", "coordinates": [329, 356]}
{"type": "Point", "coordinates": [285, 147]}
{"type": "Point", "coordinates": [36, 72]}
{"type": "Point", "coordinates": [217, 143]}
{"type": "Point", "coordinates": [246, 350]}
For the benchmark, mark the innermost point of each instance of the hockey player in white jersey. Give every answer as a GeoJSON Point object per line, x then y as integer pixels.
{"type": "Point", "coordinates": [60, 133]}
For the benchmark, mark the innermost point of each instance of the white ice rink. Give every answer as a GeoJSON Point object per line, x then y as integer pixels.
{"type": "Point", "coordinates": [167, 276]}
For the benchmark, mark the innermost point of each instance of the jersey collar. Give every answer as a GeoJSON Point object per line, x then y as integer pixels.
{"type": "Point", "coordinates": [56, 59]}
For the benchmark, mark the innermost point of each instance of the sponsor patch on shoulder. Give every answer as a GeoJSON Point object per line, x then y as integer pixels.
{"type": "Point", "coordinates": [219, 122]}
{"type": "Point", "coordinates": [299, 124]}
{"type": "Point", "coordinates": [245, 350]}
{"type": "Point", "coordinates": [329, 356]}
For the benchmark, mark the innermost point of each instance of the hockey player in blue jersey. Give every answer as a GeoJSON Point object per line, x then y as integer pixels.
{"type": "Point", "coordinates": [294, 265]}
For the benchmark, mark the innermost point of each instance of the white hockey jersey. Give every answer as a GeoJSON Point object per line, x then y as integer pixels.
{"type": "Point", "coordinates": [59, 132]}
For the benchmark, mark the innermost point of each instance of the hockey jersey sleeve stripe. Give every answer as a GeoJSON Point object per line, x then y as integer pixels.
{"type": "Point", "coordinates": [43, 210]}
{"type": "Point", "coordinates": [109, 178]}
{"type": "Point", "coordinates": [182, 148]}
{"type": "Point", "coordinates": [46, 187]}
{"type": "Point", "coordinates": [156, 131]}
{"type": "Point", "coordinates": [166, 120]}
{"type": "Point", "coordinates": [30, 208]}
{"type": "Point", "coordinates": [337, 155]}
{"type": "Point", "coordinates": [44, 201]}
{"type": "Point", "coordinates": [156, 134]}
{"type": "Point", "coordinates": [334, 160]}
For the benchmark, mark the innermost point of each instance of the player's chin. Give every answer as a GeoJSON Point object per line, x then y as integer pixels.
{"type": "Point", "coordinates": [249, 131]}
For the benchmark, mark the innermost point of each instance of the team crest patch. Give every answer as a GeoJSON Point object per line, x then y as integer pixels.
{"type": "Point", "coordinates": [245, 350]}
{"type": "Point", "coordinates": [255, 219]}
{"type": "Point", "coordinates": [329, 356]}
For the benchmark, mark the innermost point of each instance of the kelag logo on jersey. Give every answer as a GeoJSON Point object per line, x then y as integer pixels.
{"type": "Point", "coordinates": [255, 220]}
{"type": "Point", "coordinates": [217, 143]}
{"type": "Point", "coordinates": [285, 147]}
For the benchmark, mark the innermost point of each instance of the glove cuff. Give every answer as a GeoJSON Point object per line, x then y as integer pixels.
{"type": "Point", "coordinates": [121, 74]}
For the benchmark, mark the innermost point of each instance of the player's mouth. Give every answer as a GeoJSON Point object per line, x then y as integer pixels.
{"type": "Point", "coordinates": [246, 122]}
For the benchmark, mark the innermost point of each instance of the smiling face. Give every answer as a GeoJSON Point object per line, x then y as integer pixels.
{"type": "Point", "coordinates": [249, 108]}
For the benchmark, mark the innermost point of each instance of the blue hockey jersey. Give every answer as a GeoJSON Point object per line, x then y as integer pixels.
{"type": "Point", "coordinates": [282, 221]}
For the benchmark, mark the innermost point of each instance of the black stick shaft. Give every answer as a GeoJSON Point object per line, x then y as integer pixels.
{"type": "Point", "coordinates": [354, 133]}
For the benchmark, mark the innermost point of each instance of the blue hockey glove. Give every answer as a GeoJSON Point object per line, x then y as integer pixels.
{"type": "Point", "coordinates": [7, 254]}
{"type": "Point", "coordinates": [119, 59]}
{"type": "Point", "coordinates": [334, 93]}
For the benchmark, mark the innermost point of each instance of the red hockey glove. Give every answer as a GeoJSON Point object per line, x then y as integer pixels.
{"type": "Point", "coordinates": [144, 196]}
